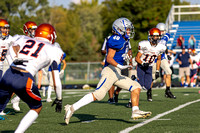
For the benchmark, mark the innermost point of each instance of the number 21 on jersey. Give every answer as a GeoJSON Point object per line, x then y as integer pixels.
{"type": "Point", "coordinates": [29, 45]}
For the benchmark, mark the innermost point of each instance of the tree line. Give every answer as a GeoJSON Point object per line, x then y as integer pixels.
{"type": "Point", "coordinates": [82, 27]}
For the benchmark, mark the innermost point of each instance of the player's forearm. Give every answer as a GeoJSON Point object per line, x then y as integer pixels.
{"type": "Point", "coordinates": [138, 60]}
{"type": "Point", "coordinates": [112, 61]}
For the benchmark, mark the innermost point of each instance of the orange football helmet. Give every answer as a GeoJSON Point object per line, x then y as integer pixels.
{"type": "Point", "coordinates": [194, 52]}
{"type": "Point", "coordinates": [46, 31]}
{"type": "Point", "coordinates": [154, 36]}
{"type": "Point", "coordinates": [4, 25]}
{"type": "Point", "coordinates": [29, 28]}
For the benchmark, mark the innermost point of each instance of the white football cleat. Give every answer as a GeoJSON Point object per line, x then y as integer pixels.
{"type": "Point", "coordinates": [49, 100]}
{"type": "Point", "coordinates": [2, 113]}
{"type": "Point", "coordinates": [16, 106]}
{"type": "Point", "coordinates": [69, 110]}
{"type": "Point", "coordinates": [137, 114]}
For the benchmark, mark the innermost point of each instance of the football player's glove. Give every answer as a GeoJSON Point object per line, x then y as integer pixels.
{"type": "Point", "coordinates": [145, 65]}
{"type": "Point", "coordinates": [194, 62]}
{"type": "Point", "coordinates": [19, 62]}
{"type": "Point", "coordinates": [58, 105]}
{"type": "Point", "coordinates": [121, 67]}
{"type": "Point", "coordinates": [133, 77]}
{"type": "Point", "coordinates": [157, 74]}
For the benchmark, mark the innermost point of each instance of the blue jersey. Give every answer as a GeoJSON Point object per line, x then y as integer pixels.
{"type": "Point", "coordinates": [59, 66]}
{"type": "Point", "coordinates": [120, 45]}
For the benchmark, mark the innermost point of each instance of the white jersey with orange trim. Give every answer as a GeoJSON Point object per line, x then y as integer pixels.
{"type": "Point", "coordinates": [37, 53]}
{"type": "Point", "coordinates": [195, 58]}
{"type": "Point", "coordinates": [149, 52]}
{"type": "Point", "coordinates": [4, 45]}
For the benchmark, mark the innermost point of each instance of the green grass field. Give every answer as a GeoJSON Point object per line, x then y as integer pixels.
{"type": "Point", "coordinates": [101, 117]}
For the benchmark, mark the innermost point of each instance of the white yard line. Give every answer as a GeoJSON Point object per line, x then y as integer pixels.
{"type": "Point", "coordinates": [157, 117]}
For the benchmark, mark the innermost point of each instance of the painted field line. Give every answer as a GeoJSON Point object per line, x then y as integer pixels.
{"type": "Point", "coordinates": [157, 117]}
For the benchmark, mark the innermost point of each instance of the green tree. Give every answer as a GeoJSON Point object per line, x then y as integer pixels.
{"type": "Point", "coordinates": [19, 11]}
{"type": "Point", "coordinates": [87, 46]}
{"type": "Point", "coordinates": [144, 15]}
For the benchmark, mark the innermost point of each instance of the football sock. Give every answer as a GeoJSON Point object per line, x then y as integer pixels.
{"type": "Point", "coordinates": [49, 92]}
{"type": "Point", "coordinates": [83, 101]}
{"type": "Point", "coordinates": [167, 88]}
{"type": "Point", "coordinates": [15, 99]}
{"type": "Point", "coordinates": [28, 119]}
{"type": "Point", "coordinates": [135, 108]}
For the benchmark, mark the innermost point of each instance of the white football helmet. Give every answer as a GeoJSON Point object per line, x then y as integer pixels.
{"type": "Point", "coordinates": [162, 28]}
{"type": "Point", "coordinates": [123, 27]}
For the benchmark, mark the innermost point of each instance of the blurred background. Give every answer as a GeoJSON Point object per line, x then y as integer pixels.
{"type": "Point", "coordinates": [82, 25]}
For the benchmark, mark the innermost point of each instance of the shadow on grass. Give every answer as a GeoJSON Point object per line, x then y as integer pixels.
{"type": "Point", "coordinates": [10, 111]}
{"type": "Point", "coordinates": [86, 118]}
{"type": "Point", "coordinates": [7, 131]}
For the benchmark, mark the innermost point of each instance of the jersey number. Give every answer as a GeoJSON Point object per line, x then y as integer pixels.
{"type": "Point", "coordinates": [29, 45]}
{"type": "Point", "coordinates": [149, 58]}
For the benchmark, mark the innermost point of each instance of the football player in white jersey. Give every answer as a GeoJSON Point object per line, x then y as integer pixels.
{"type": "Point", "coordinates": [193, 68]}
{"type": "Point", "coordinates": [5, 40]}
{"type": "Point", "coordinates": [148, 51]}
{"type": "Point", "coordinates": [29, 30]}
{"type": "Point", "coordinates": [117, 47]}
{"type": "Point", "coordinates": [164, 65]}
{"type": "Point", "coordinates": [32, 54]}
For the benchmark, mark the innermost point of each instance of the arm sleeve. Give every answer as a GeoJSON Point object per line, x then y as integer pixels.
{"type": "Point", "coordinates": [140, 48]}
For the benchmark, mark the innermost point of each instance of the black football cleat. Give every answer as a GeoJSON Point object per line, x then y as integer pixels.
{"type": "Point", "coordinates": [111, 101]}
{"type": "Point", "coordinates": [129, 105]}
{"type": "Point", "coordinates": [168, 94]}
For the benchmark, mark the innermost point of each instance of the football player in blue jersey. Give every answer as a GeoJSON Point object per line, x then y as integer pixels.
{"type": "Point", "coordinates": [124, 72]}
{"type": "Point", "coordinates": [117, 48]}
{"type": "Point", "coordinates": [164, 65]}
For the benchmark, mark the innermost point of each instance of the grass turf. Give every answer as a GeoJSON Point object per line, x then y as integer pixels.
{"type": "Point", "coordinates": [101, 117]}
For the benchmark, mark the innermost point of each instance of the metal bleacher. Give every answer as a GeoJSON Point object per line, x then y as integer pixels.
{"type": "Point", "coordinates": [183, 20]}
{"type": "Point", "coordinates": [186, 29]}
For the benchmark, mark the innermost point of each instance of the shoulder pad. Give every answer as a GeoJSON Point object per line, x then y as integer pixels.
{"type": "Point", "coordinates": [143, 45]}
{"type": "Point", "coordinates": [115, 42]}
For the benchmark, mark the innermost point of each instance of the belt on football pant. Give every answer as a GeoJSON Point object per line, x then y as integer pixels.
{"type": "Point", "coordinates": [19, 69]}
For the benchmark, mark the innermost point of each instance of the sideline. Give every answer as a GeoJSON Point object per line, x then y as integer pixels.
{"type": "Point", "coordinates": [157, 117]}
